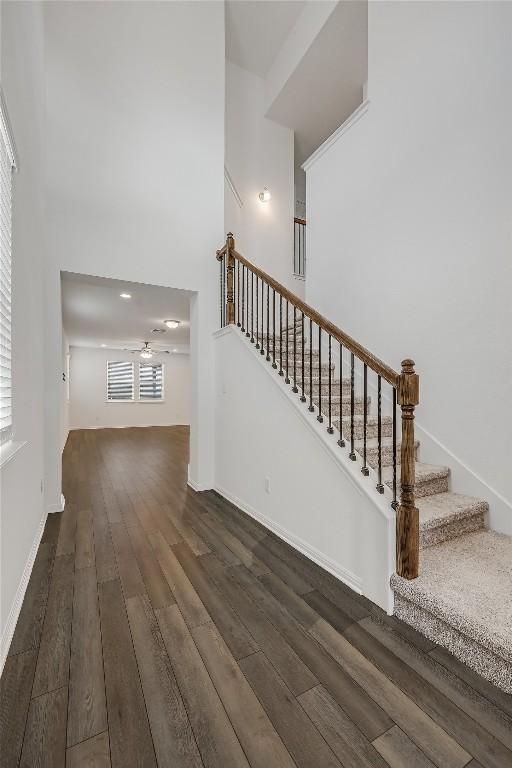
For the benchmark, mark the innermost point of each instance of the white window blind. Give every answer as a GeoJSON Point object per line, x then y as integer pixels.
{"type": "Point", "coordinates": [150, 381]}
{"type": "Point", "coordinates": [7, 166]}
{"type": "Point", "coordinates": [120, 379]}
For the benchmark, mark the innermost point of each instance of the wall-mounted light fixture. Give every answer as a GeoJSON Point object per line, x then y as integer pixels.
{"type": "Point", "coordinates": [265, 196]}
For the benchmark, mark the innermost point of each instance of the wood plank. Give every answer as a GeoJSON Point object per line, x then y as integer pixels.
{"type": "Point", "coordinates": [255, 732]}
{"type": "Point", "coordinates": [15, 689]}
{"type": "Point", "coordinates": [439, 746]}
{"type": "Point", "coordinates": [52, 528]}
{"type": "Point", "coordinates": [365, 712]}
{"type": "Point", "coordinates": [152, 576]}
{"type": "Point", "coordinates": [334, 616]}
{"type": "Point", "coordinates": [27, 634]}
{"type": "Point", "coordinates": [498, 697]}
{"type": "Point", "coordinates": [93, 753]}
{"type": "Point", "coordinates": [87, 713]}
{"type": "Point", "coordinates": [460, 693]}
{"type": "Point", "coordinates": [214, 733]}
{"type": "Point", "coordinates": [196, 544]}
{"type": "Point", "coordinates": [66, 540]}
{"type": "Point", "coordinates": [298, 733]}
{"type": "Point", "coordinates": [344, 738]}
{"type": "Point", "coordinates": [244, 555]}
{"type": "Point", "coordinates": [231, 628]}
{"type": "Point", "coordinates": [399, 751]}
{"type": "Point", "coordinates": [170, 727]}
{"type": "Point", "coordinates": [293, 671]}
{"type": "Point", "coordinates": [53, 660]}
{"type": "Point", "coordinates": [44, 745]}
{"type": "Point", "coordinates": [190, 604]}
{"type": "Point", "coordinates": [127, 566]}
{"type": "Point", "coordinates": [84, 552]}
{"type": "Point", "coordinates": [467, 732]}
{"type": "Point", "coordinates": [129, 746]}
{"type": "Point", "coordinates": [298, 605]}
{"type": "Point", "coordinates": [106, 568]}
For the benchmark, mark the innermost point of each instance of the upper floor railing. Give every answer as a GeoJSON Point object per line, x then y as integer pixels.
{"type": "Point", "coordinates": [305, 348]}
{"type": "Point", "coordinates": [299, 247]}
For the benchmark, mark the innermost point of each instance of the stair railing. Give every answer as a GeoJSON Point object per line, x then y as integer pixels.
{"type": "Point", "coordinates": [276, 321]}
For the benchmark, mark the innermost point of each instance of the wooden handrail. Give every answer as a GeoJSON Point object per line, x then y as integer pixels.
{"type": "Point", "coordinates": [299, 221]}
{"type": "Point", "coordinates": [405, 384]}
{"type": "Point", "coordinates": [348, 342]}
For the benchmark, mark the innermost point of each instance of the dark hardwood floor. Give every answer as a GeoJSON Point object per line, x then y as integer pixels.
{"type": "Point", "coordinates": [165, 627]}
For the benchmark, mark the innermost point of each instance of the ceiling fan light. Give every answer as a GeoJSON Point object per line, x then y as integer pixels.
{"type": "Point", "coordinates": [146, 354]}
{"type": "Point", "coordinates": [172, 323]}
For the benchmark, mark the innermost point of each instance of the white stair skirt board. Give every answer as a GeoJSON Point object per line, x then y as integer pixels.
{"type": "Point", "coordinates": [462, 599]}
{"type": "Point", "coordinates": [12, 619]}
{"type": "Point", "coordinates": [58, 507]}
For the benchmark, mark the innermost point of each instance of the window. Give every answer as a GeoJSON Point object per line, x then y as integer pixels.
{"type": "Point", "coordinates": [120, 381]}
{"type": "Point", "coordinates": [150, 381]}
{"type": "Point", "coordinates": [7, 167]}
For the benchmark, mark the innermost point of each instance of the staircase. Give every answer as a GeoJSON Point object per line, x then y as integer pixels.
{"type": "Point", "coordinates": [462, 596]}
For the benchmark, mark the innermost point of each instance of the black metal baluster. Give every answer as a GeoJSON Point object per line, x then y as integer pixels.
{"type": "Point", "coordinates": [268, 323]}
{"type": "Point", "coordinates": [320, 418]}
{"type": "Point", "coordinates": [303, 396]}
{"type": "Point", "coordinates": [238, 294]}
{"type": "Point", "coordinates": [394, 503]}
{"type": "Point", "coordinates": [262, 350]}
{"type": "Point", "coordinates": [247, 303]}
{"type": "Point", "coordinates": [352, 454]}
{"type": "Point", "coordinates": [221, 287]}
{"type": "Point", "coordinates": [341, 441]}
{"type": "Point", "coordinates": [252, 307]}
{"type": "Point", "coordinates": [274, 364]}
{"type": "Point", "coordinates": [243, 297]}
{"type": "Point", "coordinates": [330, 428]}
{"type": "Point", "coordinates": [257, 313]}
{"type": "Point", "coordinates": [294, 388]}
{"type": "Point", "coordinates": [281, 372]}
{"type": "Point", "coordinates": [287, 379]}
{"type": "Point", "coordinates": [380, 487]}
{"type": "Point", "coordinates": [311, 406]}
{"type": "Point", "coordinates": [364, 468]}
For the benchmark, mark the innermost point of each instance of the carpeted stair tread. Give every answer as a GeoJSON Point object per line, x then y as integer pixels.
{"type": "Point", "coordinates": [430, 479]}
{"type": "Point", "coordinates": [466, 583]}
{"type": "Point", "coordinates": [441, 508]}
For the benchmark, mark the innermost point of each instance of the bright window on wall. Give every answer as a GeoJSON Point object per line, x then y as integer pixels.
{"type": "Point", "coordinates": [7, 168]}
{"type": "Point", "coordinates": [151, 381]}
{"type": "Point", "coordinates": [120, 381]}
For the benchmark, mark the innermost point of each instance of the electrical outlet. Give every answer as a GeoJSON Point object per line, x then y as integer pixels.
{"type": "Point", "coordinates": [267, 484]}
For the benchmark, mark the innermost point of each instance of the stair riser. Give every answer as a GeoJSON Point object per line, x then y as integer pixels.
{"type": "Point", "coordinates": [452, 530]}
{"type": "Point", "coordinates": [372, 455]}
{"type": "Point", "coordinates": [371, 430]}
{"type": "Point", "coordinates": [324, 388]}
{"type": "Point", "coordinates": [427, 487]}
{"type": "Point", "coordinates": [483, 661]}
{"type": "Point", "coordinates": [335, 410]}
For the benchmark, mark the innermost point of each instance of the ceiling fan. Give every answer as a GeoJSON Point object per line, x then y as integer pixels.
{"type": "Point", "coordinates": [147, 352]}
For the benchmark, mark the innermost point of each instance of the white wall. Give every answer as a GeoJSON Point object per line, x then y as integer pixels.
{"type": "Point", "coordinates": [64, 391]}
{"type": "Point", "coordinates": [21, 502]}
{"type": "Point", "coordinates": [317, 500]}
{"type": "Point", "coordinates": [135, 172]}
{"type": "Point", "coordinates": [89, 407]}
{"type": "Point", "coordinates": [259, 153]}
{"type": "Point", "coordinates": [409, 228]}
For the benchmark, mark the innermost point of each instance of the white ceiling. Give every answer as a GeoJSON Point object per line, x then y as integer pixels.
{"type": "Point", "coordinates": [256, 30]}
{"type": "Point", "coordinates": [94, 314]}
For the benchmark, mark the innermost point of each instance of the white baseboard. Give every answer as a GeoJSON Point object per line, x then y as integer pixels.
{"type": "Point", "coordinates": [57, 507]}
{"type": "Point", "coordinates": [130, 426]}
{"type": "Point", "coordinates": [344, 575]}
{"type": "Point", "coordinates": [14, 613]}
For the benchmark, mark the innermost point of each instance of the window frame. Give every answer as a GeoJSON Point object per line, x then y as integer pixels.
{"type": "Point", "coordinates": [160, 399]}
{"type": "Point", "coordinates": [127, 400]}
{"type": "Point", "coordinates": [7, 432]}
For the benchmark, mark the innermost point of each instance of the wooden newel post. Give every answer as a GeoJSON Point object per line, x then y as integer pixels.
{"type": "Point", "coordinates": [407, 515]}
{"type": "Point", "coordinates": [230, 298]}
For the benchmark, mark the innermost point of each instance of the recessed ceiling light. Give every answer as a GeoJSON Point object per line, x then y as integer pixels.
{"type": "Point", "coordinates": [103, 345]}
{"type": "Point", "coordinates": [125, 295]}
{"type": "Point", "coordinates": [172, 323]}
{"type": "Point", "coordinates": [158, 330]}
{"type": "Point", "coordinates": [175, 350]}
